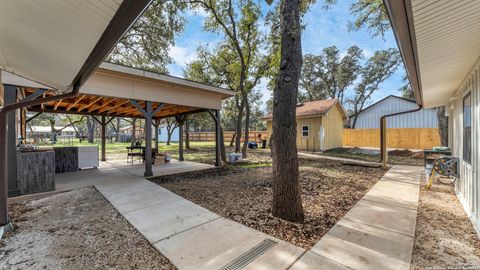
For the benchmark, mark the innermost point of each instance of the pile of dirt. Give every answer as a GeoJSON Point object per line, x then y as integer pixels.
{"type": "Point", "coordinates": [418, 154]}
{"type": "Point", "coordinates": [329, 191]}
{"type": "Point", "coordinates": [444, 237]}
{"type": "Point", "coordinates": [75, 230]}
{"type": "Point", "coordinates": [401, 153]}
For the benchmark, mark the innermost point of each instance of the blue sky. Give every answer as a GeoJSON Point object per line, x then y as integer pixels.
{"type": "Point", "coordinates": [323, 28]}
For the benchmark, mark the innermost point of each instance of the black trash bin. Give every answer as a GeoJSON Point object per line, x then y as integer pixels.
{"type": "Point", "coordinates": [264, 144]}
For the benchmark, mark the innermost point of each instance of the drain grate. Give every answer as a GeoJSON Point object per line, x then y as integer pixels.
{"type": "Point", "coordinates": [249, 256]}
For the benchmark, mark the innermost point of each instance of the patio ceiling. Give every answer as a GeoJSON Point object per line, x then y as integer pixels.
{"type": "Point", "coordinates": [111, 88]}
{"type": "Point", "coordinates": [439, 41]}
{"type": "Point", "coordinates": [86, 104]}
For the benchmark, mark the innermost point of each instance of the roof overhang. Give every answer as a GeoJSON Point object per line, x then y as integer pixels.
{"type": "Point", "coordinates": [58, 43]}
{"type": "Point", "coordinates": [439, 42]}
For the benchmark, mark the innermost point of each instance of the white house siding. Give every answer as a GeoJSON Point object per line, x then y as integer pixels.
{"type": "Point", "coordinates": [163, 136]}
{"type": "Point", "coordinates": [370, 118]}
{"type": "Point", "coordinates": [467, 187]}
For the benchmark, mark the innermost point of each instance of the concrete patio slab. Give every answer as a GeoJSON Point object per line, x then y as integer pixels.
{"type": "Point", "coordinates": [313, 261]}
{"type": "Point", "coordinates": [378, 232]}
{"type": "Point", "coordinates": [360, 246]}
{"type": "Point", "coordinates": [172, 167]}
{"type": "Point", "coordinates": [169, 218]}
{"type": "Point", "coordinates": [217, 243]}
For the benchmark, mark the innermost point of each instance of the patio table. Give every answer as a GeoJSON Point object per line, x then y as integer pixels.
{"type": "Point", "coordinates": [135, 151]}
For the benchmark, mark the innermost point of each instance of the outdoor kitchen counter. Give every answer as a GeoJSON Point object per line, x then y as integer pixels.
{"type": "Point", "coordinates": [35, 171]}
{"type": "Point", "coordinates": [72, 158]}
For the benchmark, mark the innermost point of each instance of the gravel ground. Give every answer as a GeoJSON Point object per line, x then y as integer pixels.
{"type": "Point", "coordinates": [329, 190]}
{"type": "Point", "coordinates": [75, 230]}
{"type": "Point", "coordinates": [445, 237]}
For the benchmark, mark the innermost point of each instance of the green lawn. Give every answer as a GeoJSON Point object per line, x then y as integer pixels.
{"type": "Point", "coordinates": [201, 151]}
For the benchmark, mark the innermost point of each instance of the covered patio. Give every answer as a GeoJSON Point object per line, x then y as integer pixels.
{"type": "Point", "coordinates": [119, 91]}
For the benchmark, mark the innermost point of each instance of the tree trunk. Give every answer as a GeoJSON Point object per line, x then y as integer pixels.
{"type": "Point", "coordinates": [246, 136]}
{"type": "Point", "coordinates": [442, 125]}
{"type": "Point", "coordinates": [238, 128]}
{"type": "Point", "coordinates": [91, 125]}
{"type": "Point", "coordinates": [134, 131]}
{"type": "Point", "coordinates": [287, 202]}
{"type": "Point", "coordinates": [222, 146]}
{"type": "Point", "coordinates": [233, 138]}
{"type": "Point", "coordinates": [117, 128]}
{"type": "Point", "coordinates": [169, 137]}
{"type": "Point", "coordinates": [187, 134]}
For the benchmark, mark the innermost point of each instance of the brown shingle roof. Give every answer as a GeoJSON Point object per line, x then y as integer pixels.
{"type": "Point", "coordinates": [316, 107]}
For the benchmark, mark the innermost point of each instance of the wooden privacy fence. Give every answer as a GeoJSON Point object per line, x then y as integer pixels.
{"type": "Point", "coordinates": [227, 135]}
{"type": "Point", "coordinates": [405, 138]}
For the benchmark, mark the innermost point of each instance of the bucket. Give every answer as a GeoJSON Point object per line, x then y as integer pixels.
{"type": "Point", "coordinates": [167, 158]}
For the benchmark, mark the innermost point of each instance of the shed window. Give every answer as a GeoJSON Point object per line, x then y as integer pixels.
{"type": "Point", "coordinates": [305, 131]}
{"type": "Point", "coordinates": [467, 129]}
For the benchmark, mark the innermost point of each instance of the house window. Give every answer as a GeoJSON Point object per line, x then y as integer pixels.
{"type": "Point", "coordinates": [467, 129]}
{"type": "Point", "coordinates": [305, 131]}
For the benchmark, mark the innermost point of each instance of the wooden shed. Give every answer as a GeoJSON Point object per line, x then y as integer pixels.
{"type": "Point", "coordinates": [319, 125]}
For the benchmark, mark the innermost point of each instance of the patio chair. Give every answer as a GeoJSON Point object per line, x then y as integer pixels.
{"type": "Point", "coordinates": [154, 155]}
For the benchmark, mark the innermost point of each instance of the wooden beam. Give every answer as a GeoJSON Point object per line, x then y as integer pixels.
{"type": "Point", "coordinates": [75, 102]}
{"type": "Point", "coordinates": [56, 104]}
{"type": "Point", "coordinates": [115, 106]}
{"type": "Point", "coordinates": [103, 105]}
{"type": "Point", "coordinates": [89, 104]}
{"type": "Point", "coordinates": [49, 110]}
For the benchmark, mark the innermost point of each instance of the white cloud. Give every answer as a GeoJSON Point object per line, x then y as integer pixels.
{"type": "Point", "coordinates": [182, 55]}
{"type": "Point", "coordinates": [197, 11]}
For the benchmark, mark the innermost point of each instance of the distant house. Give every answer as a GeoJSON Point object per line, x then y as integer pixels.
{"type": "Point", "coordinates": [46, 131]}
{"type": "Point", "coordinates": [370, 116]}
{"type": "Point", "coordinates": [162, 132]}
{"type": "Point", "coordinates": [127, 130]}
{"type": "Point", "coordinates": [319, 125]}
{"type": "Point", "coordinates": [163, 136]}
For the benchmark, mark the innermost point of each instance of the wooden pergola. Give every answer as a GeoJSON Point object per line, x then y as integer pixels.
{"type": "Point", "coordinates": [119, 91]}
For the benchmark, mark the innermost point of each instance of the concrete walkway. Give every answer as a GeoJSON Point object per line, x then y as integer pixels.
{"type": "Point", "coordinates": [190, 236]}
{"type": "Point", "coordinates": [378, 233]}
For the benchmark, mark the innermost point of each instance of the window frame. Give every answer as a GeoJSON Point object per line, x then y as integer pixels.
{"type": "Point", "coordinates": [467, 128]}
{"type": "Point", "coordinates": [308, 131]}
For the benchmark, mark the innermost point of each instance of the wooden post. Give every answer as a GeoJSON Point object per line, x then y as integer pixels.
{"type": "Point", "coordinates": [10, 92]}
{"type": "Point", "coordinates": [218, 161]}
{"type": "Point", "coordinates": [148, 113]}
{"type": "Point", "coordinates": [383, 141]}
{"type": "Point", "coordinates": [104, 127]}
{"type": "Point", "coordinates": [157, 125]}
{"type": "Point", "coordinates": [181, 121]}
{"type": "Point", "coordinates": [180, 142]}
{"type": "Point", "coordinates": [148, 139]}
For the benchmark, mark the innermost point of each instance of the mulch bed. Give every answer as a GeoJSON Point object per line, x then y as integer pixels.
{"type": "Point", "coordinates": [329, 190]}
{"type": "Point", "coordinates": [444, 237]}
{"type": "Point", "coordinates": [75, 230]}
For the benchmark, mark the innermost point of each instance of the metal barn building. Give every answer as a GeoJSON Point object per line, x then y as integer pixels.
{"type": "Point", "coordinates": [370, 117]}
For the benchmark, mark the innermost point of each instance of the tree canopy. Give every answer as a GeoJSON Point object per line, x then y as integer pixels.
{"type": "Point", "coordinates": [147, 43]}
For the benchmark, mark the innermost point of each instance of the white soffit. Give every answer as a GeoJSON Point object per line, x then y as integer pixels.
{"type": "Point", "coordinates": [48, 41]}
{"type": "Point", "coordinates": [448, 44]}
